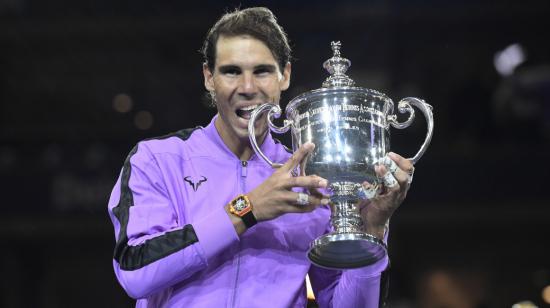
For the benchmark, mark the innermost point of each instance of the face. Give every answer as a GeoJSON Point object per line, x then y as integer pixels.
{"type": "Point", "coordinates": [245, 75]}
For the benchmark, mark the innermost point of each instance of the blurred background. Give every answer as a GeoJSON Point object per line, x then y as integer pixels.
{"type": "Point", "coordinates": [82, 81]}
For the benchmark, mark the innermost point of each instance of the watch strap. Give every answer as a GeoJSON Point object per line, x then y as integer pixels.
{"type": "Point", "coordinates": [249, 219]}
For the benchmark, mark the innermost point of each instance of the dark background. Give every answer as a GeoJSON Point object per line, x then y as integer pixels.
{"type": "Point", "coordinates": [82, 81]}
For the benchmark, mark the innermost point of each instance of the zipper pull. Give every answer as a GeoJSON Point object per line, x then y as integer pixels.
{"type": "Point", "coordinates": [244, 163]}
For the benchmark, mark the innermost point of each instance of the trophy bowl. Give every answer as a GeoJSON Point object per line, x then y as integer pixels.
{"type": "Point", "coordinates": [350, 127]}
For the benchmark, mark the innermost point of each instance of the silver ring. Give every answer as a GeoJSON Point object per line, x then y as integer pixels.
{"type": "Point", "coordinates": [390, 164]}
{"type": "Point", "coordinates": [303, 199]}
{"type": "Point", "coordinates": [389, 180]}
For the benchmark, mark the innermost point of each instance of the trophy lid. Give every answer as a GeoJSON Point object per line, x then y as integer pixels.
{"type": "Point", "coordinates": [337, 67]}
{"type": "Point", "coordinates": [337, 84]}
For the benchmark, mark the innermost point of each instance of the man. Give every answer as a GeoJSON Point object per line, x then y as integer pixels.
{"type": "Point", "coordinates": [200, 221]}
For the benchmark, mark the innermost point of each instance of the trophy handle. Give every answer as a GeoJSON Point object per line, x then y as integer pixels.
{"type": "Point", "coordinates": [404, 106]}
{"type": "Point", "coordinates": [274, 111]}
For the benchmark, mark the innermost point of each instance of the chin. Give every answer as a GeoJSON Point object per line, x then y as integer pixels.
{"type": "Point", "coordinates": [259, 134]}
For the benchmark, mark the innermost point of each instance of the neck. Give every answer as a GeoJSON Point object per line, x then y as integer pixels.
{"type": "Point", "coordinates": [241, 148]}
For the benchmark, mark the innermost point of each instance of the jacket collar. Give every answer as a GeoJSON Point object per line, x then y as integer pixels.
{"type": "Point", "coordinates": [268, 147]}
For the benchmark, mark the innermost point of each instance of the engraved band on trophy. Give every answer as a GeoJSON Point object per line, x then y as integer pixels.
{"type": "Point", "coordinates": [350, 127]}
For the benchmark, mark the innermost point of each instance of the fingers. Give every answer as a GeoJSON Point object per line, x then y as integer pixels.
{"type": "Point", "coordinates": [368, 191]}
{"type": "Point", "coordinates": [401, 162]}
{"type": "Point", "coordinates": [390, 182]}
{"type": "Point", "coordinates": [394, 189]}
{"type": "Point", "coordinates": [297, 157]}
{"type": "Point", "coordinates": [401, 168]}
{"type": "Point", "coordinates": [302, 202]}
{"type": "Point", "coordinates": [309, 182]}
{"type": "Point", "coordinates": [317, 193]}
{"type": "Point", "coordinates": [404, 164]}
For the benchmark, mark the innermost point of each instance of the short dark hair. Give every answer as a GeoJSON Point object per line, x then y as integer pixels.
{"type": "Point", "coordinates": [258, 22]}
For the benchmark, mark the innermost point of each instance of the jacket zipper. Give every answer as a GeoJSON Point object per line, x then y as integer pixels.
{"type": "Point", "coordinates": [244, 171]}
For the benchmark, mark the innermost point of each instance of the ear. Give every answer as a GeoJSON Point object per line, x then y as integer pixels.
{"type": "Point", "coordinates": [284, 83]}
{"type": "Point", "coordinates": [208, 78]}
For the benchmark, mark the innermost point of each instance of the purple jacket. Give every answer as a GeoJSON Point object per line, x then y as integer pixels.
{"type": "Point", "coordinates": [176, 246]}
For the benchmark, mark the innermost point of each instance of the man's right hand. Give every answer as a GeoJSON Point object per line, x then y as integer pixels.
{"type": "Point", "coordinates": [274, 197]}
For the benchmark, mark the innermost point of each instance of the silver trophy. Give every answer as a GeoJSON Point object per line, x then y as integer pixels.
{"type": "Point", "coordinates": [350, 127]}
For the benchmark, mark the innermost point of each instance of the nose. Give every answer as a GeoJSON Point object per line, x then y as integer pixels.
{"type": "Point", "coordinates": [248, 86]}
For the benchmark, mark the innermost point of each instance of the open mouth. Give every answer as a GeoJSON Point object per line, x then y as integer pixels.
{"type": "Point", "coordinates": [246, 112]}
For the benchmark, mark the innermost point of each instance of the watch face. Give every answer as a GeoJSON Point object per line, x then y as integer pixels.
{"type": "Point", "coordinates": [240, 204]}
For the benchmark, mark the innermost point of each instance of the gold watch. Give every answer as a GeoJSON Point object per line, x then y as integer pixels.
{"type": "Point", "coordinates": [242, 207]}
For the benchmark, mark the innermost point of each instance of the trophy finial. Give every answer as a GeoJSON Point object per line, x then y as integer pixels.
{"type": "Point", "coordinates": [336, 48]}
{"type": "Point", "coordinates": [337, 67]}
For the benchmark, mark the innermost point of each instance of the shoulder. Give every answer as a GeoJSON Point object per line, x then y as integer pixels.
{"type": "Point", "coordinates": [173, 143]}
{"type": "Point", "coordinates": [163, 143]}
{"type": "Point", "coordinates": [282, 151]}
{"type": "Point", "coordinates": [281, 146]}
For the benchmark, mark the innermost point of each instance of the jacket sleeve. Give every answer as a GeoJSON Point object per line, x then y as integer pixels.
{"type": "Point", "coordinates": [348, 288]}
{"type": "Point", "coordinates": [155, 248]}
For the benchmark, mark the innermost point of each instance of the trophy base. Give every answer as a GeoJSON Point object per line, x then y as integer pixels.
{"type": "Point", "coordinates": [346, 250]}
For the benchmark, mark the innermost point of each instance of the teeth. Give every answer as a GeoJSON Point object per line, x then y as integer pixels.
{"type": "Point", "coordinates": [249, 108]}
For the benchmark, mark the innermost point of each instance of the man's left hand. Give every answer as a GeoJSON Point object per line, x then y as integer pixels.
{"type": "Point", "coordinates": [376, 212]}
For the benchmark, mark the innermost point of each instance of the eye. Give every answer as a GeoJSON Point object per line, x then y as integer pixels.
{"type": "Point", "coordinates": [230, 70]}
{"type": "Point", "coordinates": [261, 72]}
{"type": "Point", "coordinates": [264, 70]}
